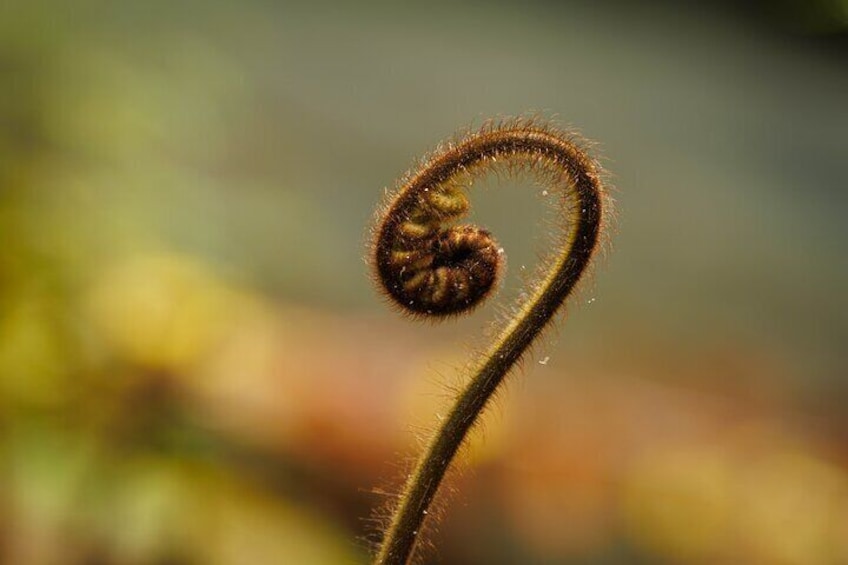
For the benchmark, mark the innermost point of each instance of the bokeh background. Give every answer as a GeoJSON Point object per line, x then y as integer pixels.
{"type": "Point", "coordinates": [195, 368]}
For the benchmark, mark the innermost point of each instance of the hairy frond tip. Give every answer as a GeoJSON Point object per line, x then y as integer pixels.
{"type": "Point", "coordinates": [430, 267]}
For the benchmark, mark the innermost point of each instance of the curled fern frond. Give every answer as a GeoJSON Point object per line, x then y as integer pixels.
{"type": "Point", "coordinates": [431, 268]}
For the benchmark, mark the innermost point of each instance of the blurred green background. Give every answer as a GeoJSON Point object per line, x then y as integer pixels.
{"type": "Point", "coordinates": [195, 368]}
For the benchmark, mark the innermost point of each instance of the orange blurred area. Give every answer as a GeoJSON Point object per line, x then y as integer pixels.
{"type": "Point", "coordinates": [196, 420]}
{"type": "Point", "coordinates": [195, 368]}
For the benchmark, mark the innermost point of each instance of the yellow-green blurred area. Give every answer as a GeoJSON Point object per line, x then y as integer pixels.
{"type": "Point", "coordinates": [195, 368]}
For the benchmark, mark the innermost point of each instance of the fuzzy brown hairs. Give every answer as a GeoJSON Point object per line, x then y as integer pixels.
{"type": "Point", "coordinates": [431, 268]}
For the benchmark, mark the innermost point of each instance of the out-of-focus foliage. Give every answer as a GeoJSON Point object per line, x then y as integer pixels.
{"type": "Point", "coordinates": [193, 367]}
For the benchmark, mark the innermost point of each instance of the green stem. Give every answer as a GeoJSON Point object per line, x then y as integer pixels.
{"type": "Point", "coordinates": [578, 177]}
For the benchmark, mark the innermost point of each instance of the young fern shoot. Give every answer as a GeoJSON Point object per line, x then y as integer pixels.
{"type": "Point", "coordinates": [432, 269]}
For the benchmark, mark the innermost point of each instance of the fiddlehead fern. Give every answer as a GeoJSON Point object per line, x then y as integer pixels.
{"type": "Point", "coordinates": [431, 268]}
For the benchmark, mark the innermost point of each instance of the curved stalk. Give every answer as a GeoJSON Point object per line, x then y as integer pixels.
{"type": "Point", "coordinates": [430, 269]}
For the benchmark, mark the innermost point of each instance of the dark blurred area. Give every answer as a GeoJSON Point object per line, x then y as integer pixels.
{"type": "Point", "coordinates": [195, 369]}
